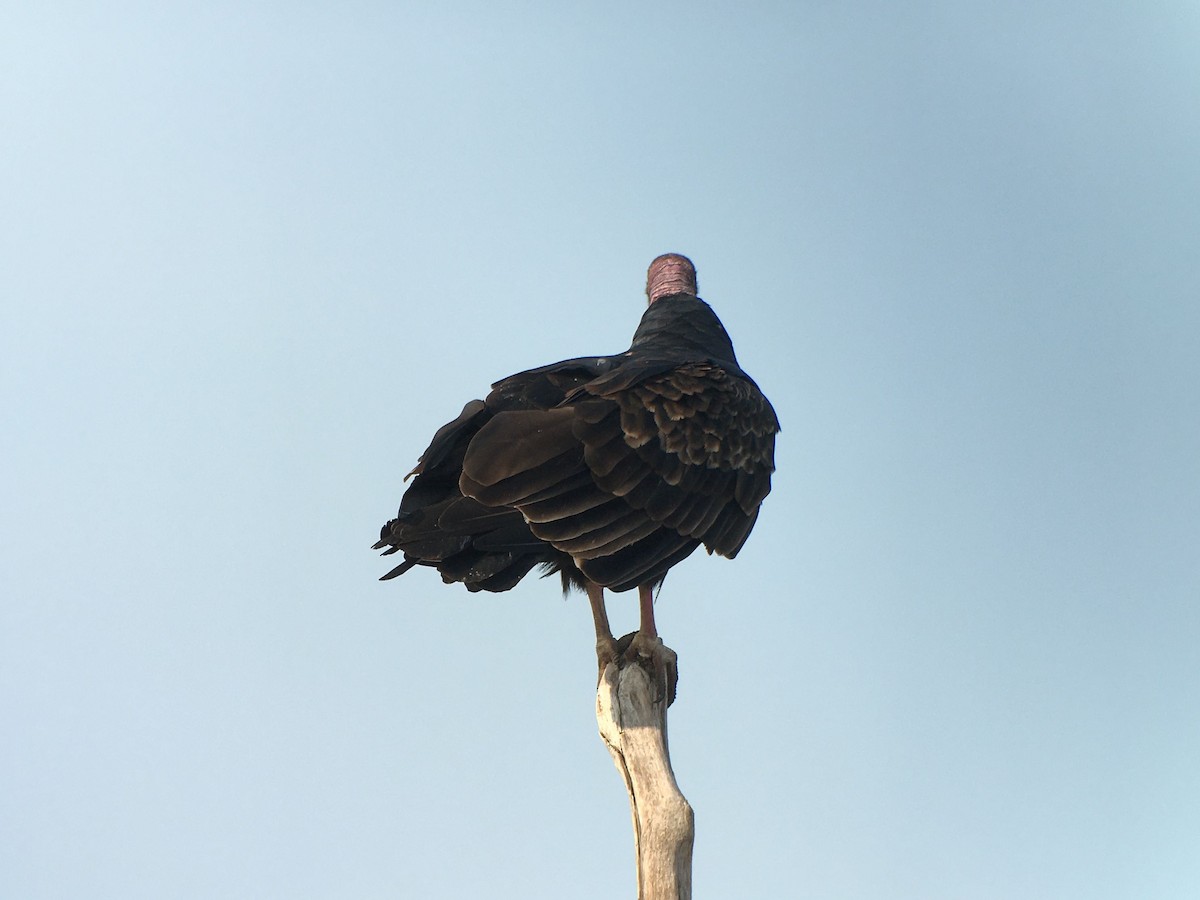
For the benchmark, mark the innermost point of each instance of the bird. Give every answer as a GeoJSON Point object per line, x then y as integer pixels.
{"type": "Point", "coordinates": [608, 470]}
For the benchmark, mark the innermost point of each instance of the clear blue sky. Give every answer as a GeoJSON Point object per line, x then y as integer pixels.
{"type": "Point", "coordinates": [254, 254]}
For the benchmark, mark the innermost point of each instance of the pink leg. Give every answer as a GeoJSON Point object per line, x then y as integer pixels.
{"type": "Point", "coordinates": [606, 647]}
{"type": "Point", "coordinates": [646, 602]}
{"type": "Point", "coordinates": [599, 614]}
{"type": "Point", "coordinates": [649, 650]}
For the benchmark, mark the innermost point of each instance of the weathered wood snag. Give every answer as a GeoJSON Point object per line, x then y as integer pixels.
{"type": "Point", "coordinates": [631, 710]}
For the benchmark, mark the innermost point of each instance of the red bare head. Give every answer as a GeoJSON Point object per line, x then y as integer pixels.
{"type": "Point", "coordinates": [669, 274]}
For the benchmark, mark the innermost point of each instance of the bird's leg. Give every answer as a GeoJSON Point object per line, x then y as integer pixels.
{"type": "Point", "coordinates": [606, 647]}
{"type": "Point", "coordinates": [646, 608]}
{"type": "Point", "coordinates": [646, 648]}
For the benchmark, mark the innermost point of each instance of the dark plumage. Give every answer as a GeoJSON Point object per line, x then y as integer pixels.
{"type": "Point", "coordinates": [609, 469]}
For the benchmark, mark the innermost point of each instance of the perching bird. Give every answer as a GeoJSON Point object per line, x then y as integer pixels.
{"type": "Point", "coordinates": [609, 470]}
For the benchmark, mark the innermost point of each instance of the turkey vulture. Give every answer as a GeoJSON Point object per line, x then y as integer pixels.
{"type": "Point", "coordinates": [608, 469]}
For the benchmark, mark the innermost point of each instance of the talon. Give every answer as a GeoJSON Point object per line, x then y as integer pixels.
{"type": "Point", "coordinates": [658, 660]}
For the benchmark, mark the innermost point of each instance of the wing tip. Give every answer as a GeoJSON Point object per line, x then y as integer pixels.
{"type": "Point", "coordinates": [399, 570]}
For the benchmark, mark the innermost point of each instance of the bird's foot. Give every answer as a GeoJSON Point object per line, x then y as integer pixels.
{"type": "Point", "coordinates": [657, 659]}
{"type": "Point", "coordinates": [607, 652]}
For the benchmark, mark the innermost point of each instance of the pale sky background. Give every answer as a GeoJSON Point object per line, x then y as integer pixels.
{"type": "Point", "coordinates": [252, 255]}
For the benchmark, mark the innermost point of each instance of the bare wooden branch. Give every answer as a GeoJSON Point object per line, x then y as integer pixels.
{"type": "Point", "coordinates": [633, 724]}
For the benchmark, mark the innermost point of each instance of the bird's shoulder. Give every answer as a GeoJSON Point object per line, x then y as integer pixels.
{"type": "Point", "coordinates": [548, 386]}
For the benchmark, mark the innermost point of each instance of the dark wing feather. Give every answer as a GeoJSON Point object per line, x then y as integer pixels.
{"type": "Point", "coordinates": [485, 547]}
{"type": "Point", "coordinates": [519, 455]}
